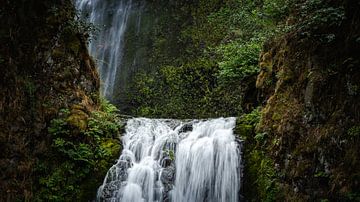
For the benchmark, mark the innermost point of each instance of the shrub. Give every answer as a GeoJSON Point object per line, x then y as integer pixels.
{"type": "Point", "coordinates": [239, 61]}
{"type": "Point", "coordinates": [79, 158]}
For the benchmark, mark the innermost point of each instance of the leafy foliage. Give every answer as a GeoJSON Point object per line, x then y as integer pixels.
{"type": "Point", "coordinates": [317, 19]}
{"type": "Point", "coordinates": [222, 43]}
{"type": "Point", "coordinates": [239, 61]}
{"type": "Point", "coordinates": [79, 157]}
{"type": "Point", "coordinates": [166, 93]}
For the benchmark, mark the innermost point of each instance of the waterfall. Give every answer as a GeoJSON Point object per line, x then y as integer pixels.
{"type": "Point", "coordinates": [111, 19]}
{"type": "Point", "coordinates": [173, 160]}
{"type": "Point", "coordinates": [161, 159]}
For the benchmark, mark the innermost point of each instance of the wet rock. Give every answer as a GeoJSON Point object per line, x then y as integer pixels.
{"type": "Point", "coordinates": [186, 128]}
{"type": "Point", "coordinates": [167, 178]}
{"type": "Point", "coordinates": [109, 189]}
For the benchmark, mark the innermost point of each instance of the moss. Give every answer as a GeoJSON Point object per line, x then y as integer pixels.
{"type": "Point", "coordinates": [262, 170]}
{"type": "Point", "coordinates": [78, 117]}
{"type": "Point", "coordinates": [354, 132]}
{"type": "Point", "coordinates": [57, 53]}
{"type": "Point", "coordinates": [285, 75]}
{"type": "Point", "coordinates": [311, 117]}
{"type": "Point", "coordinates": [74, 45]}
{"type": "Point", "coordinates": [266, 68]}
{"type": "Point", "coordinates": [260, 175]}
{"type": "Point", "coordinates": [245, 125]}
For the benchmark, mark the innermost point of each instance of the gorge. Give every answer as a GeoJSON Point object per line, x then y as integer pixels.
{"type": "Point", "coordinates": [76, 73]}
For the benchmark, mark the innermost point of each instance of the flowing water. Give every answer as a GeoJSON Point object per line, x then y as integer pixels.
{"type": "Point", "coordinates": [111, 18]}
{"type": "Point", "coordinates": [171, 160]}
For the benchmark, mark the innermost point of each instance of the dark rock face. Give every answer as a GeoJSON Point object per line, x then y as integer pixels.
{"type": "Point", "coordinates": [312, 109]}
{"type": "Point", "coordinates": [45, 67]}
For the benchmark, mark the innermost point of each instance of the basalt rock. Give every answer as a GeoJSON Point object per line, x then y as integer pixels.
{"type": "Point", "coordinates": [310, 87]}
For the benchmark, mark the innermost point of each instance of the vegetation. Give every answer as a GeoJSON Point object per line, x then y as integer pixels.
{"type": "Point", "coordinates": [288, 69]}
{"type": "Point", "coordinates": [261, 182]}
{"type": "Point", "coordinates": [57, 138]}
{"type": "Point", "coordinates": [222, 44]}
{"type": "Point", "coordinates": [80, 154]}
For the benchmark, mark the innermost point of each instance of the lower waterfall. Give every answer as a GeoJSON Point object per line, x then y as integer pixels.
{"type": "Point", "coordinates": [174, 160]}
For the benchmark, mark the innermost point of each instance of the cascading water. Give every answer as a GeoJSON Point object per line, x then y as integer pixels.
{"type": "Point", "coordinates": [111, 18]}
{"type": "Point", "coordinates": [172, 160]}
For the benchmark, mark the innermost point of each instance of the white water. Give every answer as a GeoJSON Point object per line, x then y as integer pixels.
{"type": "Point", "coordinates": [111, 18]}
{"type": "Point", "coordinates": [207, 164]}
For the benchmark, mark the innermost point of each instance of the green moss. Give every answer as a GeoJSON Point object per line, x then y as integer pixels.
{"type": "Point", "coordinates": [78, 119]}
{"type": "Point", "coordinates": [262, 171]}
{"type": "Point", "coordinates": [57, 53]}
{"type": "Point", "coordinates": [260, 177]}
{"type": "Point", "coordinates": [74, 45]}
{"type": "Point", "coordinates": [353, 196]}
{"type": "Point", "coordinates": [246, 124]}
{"type": "Point", "coordinates": [354, 131]}
{"type": "Point", "coordinates": [276, 116]}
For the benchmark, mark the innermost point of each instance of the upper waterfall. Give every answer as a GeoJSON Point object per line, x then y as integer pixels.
{"type": "Point", "coordinates": [172, 160]}
{"type": "Point", "coordinates": [111, 19]}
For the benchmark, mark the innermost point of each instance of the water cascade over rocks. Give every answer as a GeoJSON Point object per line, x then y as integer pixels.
{"type": "Point", "coordinates": [173, 160]}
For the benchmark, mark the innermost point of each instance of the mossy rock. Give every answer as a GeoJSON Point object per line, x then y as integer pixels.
{"type": "Point", "coordinates": [78, 117]}
{"type": "Point", "coordinates": [57, 53]}
{"type": "Point", "coordinates": [74, 46]}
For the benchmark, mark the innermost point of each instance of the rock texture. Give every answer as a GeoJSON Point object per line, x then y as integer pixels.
{"type": "Point", "coordinates": [312, 113]}
{"type": "Point", "coordinates": [44, 67]}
